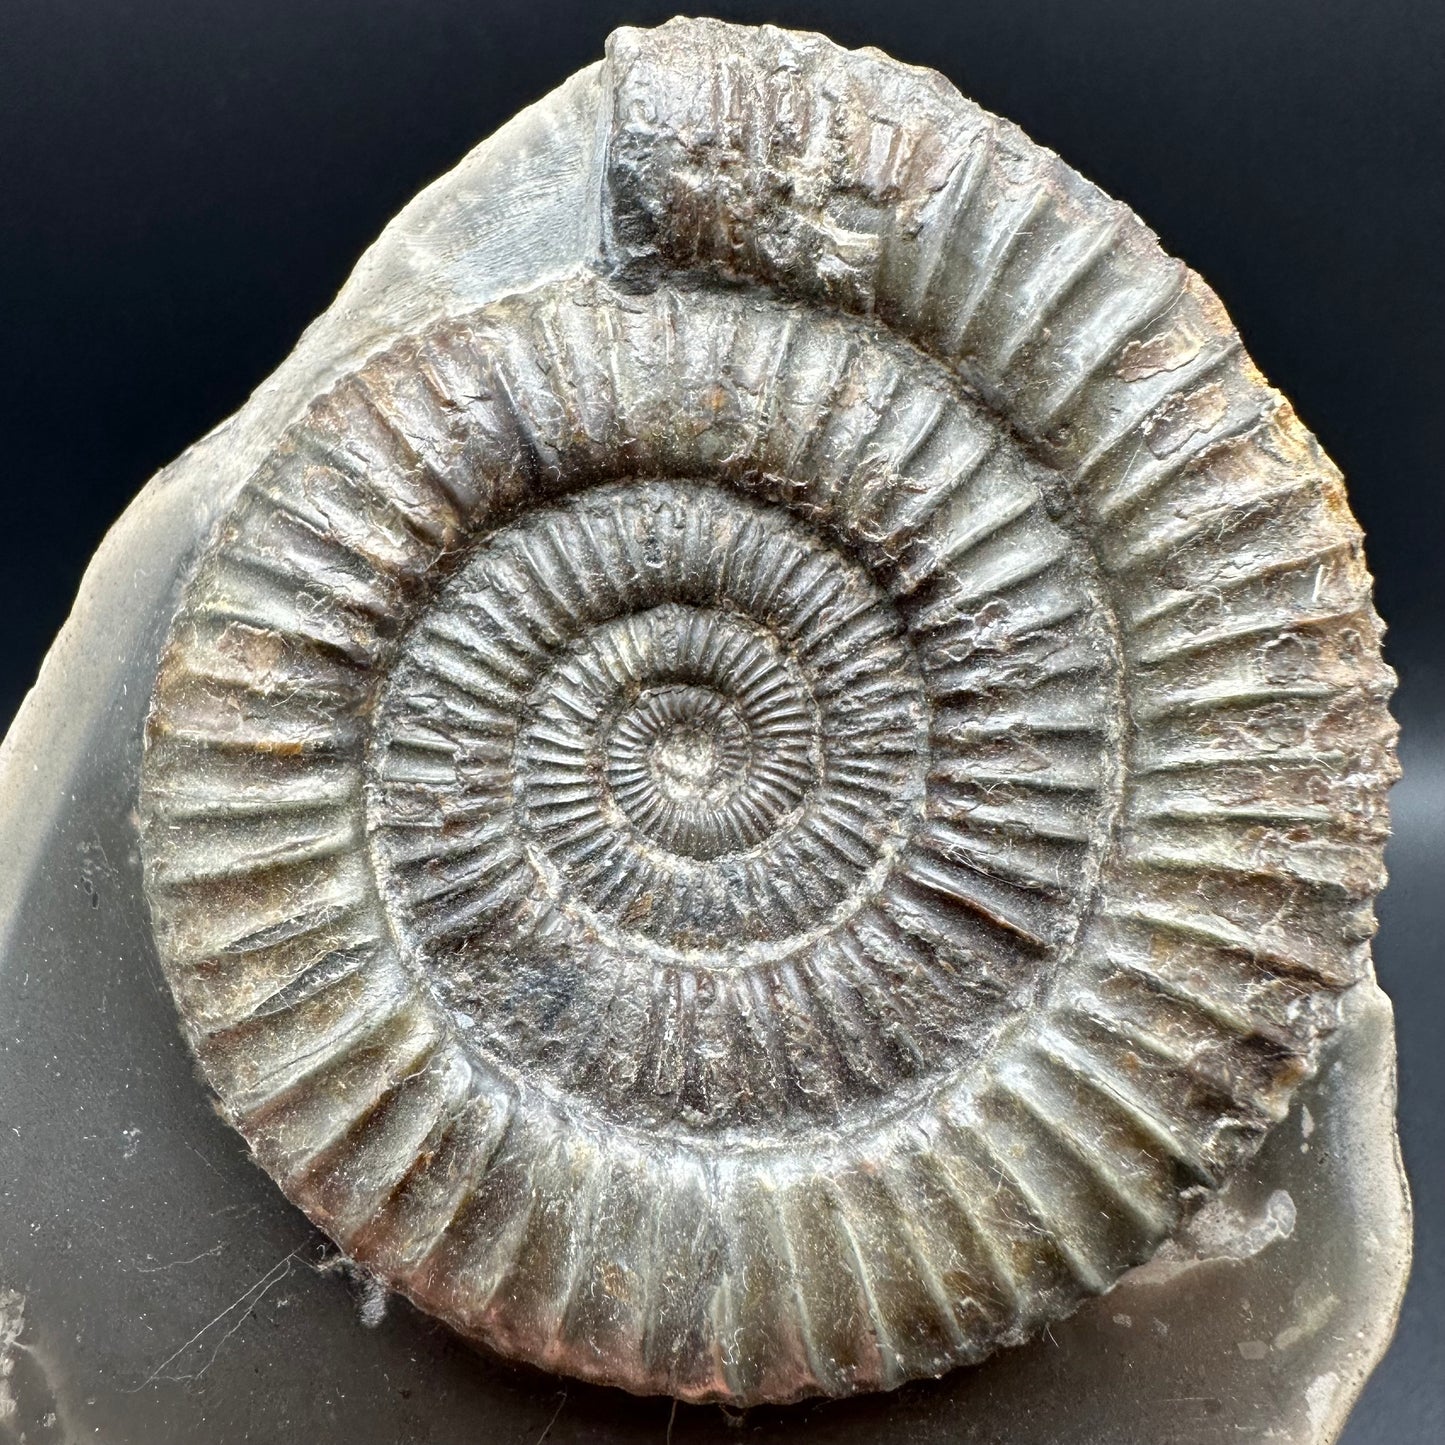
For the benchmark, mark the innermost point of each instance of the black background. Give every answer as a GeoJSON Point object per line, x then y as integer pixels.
{"type": "Point", "coordinates": [184, 184]}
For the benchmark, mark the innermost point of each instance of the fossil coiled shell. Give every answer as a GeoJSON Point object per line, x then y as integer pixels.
{"type": "Point", "coordinates": [762, 817]}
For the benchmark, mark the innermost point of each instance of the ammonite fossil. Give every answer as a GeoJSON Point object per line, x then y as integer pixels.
{"type": "Point", "coordinates": [764, 813]}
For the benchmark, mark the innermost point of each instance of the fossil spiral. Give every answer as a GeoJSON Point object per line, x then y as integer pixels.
{"type": "Point", "coordinates": [762, 815]}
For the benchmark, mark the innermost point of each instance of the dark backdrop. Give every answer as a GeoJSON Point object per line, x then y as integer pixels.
{"type": "Point", "coordinates": [184, 184]}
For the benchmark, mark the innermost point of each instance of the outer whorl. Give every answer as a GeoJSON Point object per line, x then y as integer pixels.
{"type": "Point", "coordinates": [762, 817]}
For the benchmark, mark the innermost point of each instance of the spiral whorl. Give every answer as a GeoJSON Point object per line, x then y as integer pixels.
{"type": "Point", "coordinates": [762, 816]}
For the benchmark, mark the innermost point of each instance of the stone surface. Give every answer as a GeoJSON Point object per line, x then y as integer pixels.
{"type": "Point", "coordinates": [860, 531]}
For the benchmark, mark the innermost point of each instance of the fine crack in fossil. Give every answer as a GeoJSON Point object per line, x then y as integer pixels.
{"type": "Point", "coordinates": [763, 815]}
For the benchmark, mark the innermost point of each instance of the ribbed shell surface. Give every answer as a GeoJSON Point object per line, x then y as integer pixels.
{"type": "Point", "coordinates": [763, 818]}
